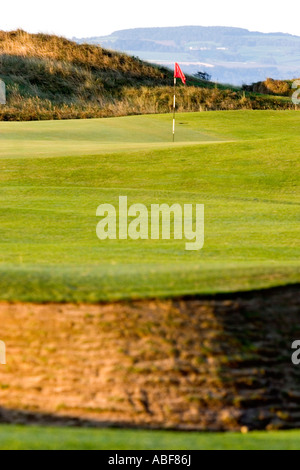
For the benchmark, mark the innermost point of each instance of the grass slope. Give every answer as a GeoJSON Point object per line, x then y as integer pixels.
{"type": "Point", "coordinates": [50, 77]}
{"type": "Point", "coordinates": [37, 438]}
{"type": "Point", "coordinates": [243, 166]}
{"type": "Point", "coordinates": [57, 66]}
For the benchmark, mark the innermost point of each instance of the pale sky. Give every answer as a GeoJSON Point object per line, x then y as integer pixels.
{"type": "Point", "coordinates": [86, 18]}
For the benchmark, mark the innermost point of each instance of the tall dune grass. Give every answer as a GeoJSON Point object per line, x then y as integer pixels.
{"type": "Point", "coordinates": [50, 77]}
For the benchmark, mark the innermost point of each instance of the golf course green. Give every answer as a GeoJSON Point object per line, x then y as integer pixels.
{"type": "Point", "coordinates": [242, 165]}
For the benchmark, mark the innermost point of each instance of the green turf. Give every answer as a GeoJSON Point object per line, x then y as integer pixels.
{"type": "Point", "coordinates": [243, 165]}
{"type": "Point", "coordinates": [36, 438]}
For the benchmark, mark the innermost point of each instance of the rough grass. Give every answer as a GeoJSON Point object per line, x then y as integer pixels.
{"type": "Point", "coordinates": [50, 77]}
{"type": "Point", "coordinates": [243, 166]}
{"type": "Point", "coordinates": [39, 438]}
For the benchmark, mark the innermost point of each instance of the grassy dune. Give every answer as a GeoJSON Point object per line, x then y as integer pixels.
{"type": "Point", "coordinates": [49, 77]}
{"type": "Point", "coordinates": [243, 165]}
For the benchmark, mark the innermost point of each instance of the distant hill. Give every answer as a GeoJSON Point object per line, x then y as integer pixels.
{"type": "Point", "coordinates": [230, 55]}
{"type": "Point", "coordinates": [50, 77]}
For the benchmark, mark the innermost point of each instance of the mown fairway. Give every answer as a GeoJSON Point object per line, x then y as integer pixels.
{"type": "Point", "coordinates": [243, 165]}
{"type": "Point", "coordinates": [37, 438]}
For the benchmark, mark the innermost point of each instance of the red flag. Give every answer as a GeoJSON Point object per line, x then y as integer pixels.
{"type": "Point", "coordinates": [178, 73]}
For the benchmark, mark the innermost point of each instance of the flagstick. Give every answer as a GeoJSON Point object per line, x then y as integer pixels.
{"type": "Point", "coordinates": [174, 109]}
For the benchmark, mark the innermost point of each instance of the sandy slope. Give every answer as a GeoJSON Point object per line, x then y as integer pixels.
{"type": "Point", "coordinates": [218, 363]}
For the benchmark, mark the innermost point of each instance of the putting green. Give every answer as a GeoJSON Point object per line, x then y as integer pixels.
{"type": "Point", "coordinates": [95, 136]}
{"type": "Point", "coordinates": [242, 165]}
